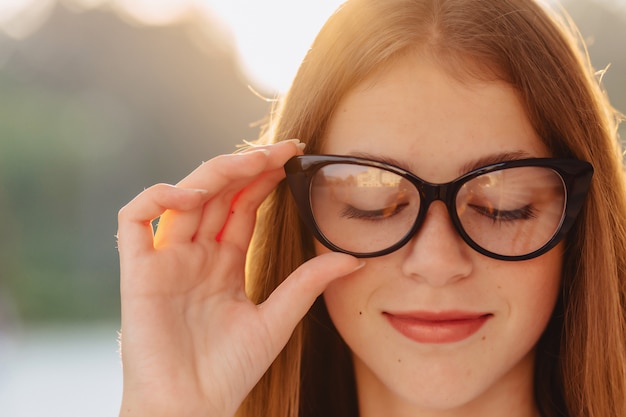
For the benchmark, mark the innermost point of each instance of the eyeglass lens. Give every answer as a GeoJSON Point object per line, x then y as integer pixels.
{"type": "Point", "coordinates": [364, 209]}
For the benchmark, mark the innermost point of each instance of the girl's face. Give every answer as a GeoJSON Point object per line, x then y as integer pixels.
{"type": "Point", "coordinates": [436, 326]}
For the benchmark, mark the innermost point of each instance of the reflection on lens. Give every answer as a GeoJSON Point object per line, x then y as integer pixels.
{"type": "Point", "coordinates": [365, 209]}
{"type": "Point", "coordinates": [513, 211]}
{"type": "Point", "coordinates": [362, 208]}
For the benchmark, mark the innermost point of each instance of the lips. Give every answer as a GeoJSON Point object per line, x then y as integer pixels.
{"type": "Point", "coordinates": [437, 328]}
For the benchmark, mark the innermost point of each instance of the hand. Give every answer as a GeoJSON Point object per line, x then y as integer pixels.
{"type": "Point", "coordinates": [193, 344]}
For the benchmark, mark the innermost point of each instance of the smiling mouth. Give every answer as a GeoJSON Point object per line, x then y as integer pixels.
{"type": "Point", "coordinates": [437, 328]}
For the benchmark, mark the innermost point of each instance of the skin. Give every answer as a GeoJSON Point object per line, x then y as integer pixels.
{"type": "Point", "coordinates": [436, 126]}
{"type": "Point", "coordinates": [192, 343]}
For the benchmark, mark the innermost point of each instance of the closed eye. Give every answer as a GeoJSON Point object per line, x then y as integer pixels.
{"type": "Point", "coordinates": [523, 213]}
{"type": "Point", "coordinates": [352, 212]}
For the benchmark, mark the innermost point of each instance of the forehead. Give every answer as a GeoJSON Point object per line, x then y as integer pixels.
{"type": "Point", "coordinates": [435, 124]}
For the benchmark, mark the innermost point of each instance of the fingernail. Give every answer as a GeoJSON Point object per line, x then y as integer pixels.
{"type": "Point", "coordinates": [294, 141]}
{"type": "Point", "coordinates": [195, 190]}
{"type": "Point", "coordinates": [300, 145]}
{"type": "Point", "coordinates": [359, 266]}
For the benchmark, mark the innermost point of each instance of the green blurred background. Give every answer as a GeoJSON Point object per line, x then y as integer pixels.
{"type": "Point", "coordinates": [92, 110]}
{"type": "Point", "coordinates": [94, 107]}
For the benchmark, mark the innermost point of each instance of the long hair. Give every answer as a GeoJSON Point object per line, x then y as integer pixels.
{"type": "Point", "coordinates": [581, 357]}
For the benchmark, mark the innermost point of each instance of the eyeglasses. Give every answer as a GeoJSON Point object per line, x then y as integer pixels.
{"type": "Point", "coordinates": [513, 210]}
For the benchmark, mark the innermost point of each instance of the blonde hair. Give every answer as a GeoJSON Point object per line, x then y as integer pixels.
{"type": "Point", "coordinates": [581, 358]}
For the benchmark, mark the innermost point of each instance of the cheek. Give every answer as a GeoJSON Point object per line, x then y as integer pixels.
{"type": "Point", "coordinates": [347, 298]}
{"type": "Point", "coordinates": [532, 292]}
{"type": "Point", "coordinates": [548, 276]}
{"type": "Point", "coordinates": [349, 302]}
{"type": "Point", "coordinates": [347, 310]}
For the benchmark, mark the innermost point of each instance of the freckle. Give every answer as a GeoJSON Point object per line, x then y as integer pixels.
{"type": "Point", "coordinates": [399, 360]}
{"type": "Point", "coordinates": [484, 338]}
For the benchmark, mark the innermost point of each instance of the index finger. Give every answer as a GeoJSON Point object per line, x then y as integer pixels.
{"type": "Point", "coordinates": [135, 234]}
{"type": "Point", "coordinates": [218, 172]}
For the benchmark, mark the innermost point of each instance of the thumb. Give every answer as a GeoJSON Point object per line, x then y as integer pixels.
{"type": "Point", "coordinates": [291, 300]}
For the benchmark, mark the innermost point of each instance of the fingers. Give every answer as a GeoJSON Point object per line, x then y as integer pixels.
{"type": "Point", "coordinates": [222, 177]}
{"type": "Point", "coordinates": [241, 217]}
{"type": "Point", "coordinates": [135, 219]}
{"type": "Point", "coordinates": [292, 299]}
{"type": "Point", "coordinates": [221, 171]}
{"type": "Point", "coordinates": [230, 216]}
{"type": "Point", "coordinates": [228, 182]}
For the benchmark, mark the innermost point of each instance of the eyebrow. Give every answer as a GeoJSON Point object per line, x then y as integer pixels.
{"type": "Point", "coordinates": [494, 159]}
{"type": "Point", "coordinates": [491, 159]}
{"type": "Point", "coordinates": [382, 158]}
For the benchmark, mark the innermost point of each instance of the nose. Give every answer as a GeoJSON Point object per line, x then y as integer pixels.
{"type": "Point", "coordinates": [437, 255]}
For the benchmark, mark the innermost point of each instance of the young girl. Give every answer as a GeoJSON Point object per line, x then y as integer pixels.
{"type": "Point", "coordinates": [461, 210]}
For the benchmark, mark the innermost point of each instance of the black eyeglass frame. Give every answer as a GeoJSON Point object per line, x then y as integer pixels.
{"type": "Point", "coordinates": [576, 176]}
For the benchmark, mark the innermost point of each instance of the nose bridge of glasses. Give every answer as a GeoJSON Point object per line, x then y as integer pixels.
{"type": "Point", "coordinates": [431, 192]}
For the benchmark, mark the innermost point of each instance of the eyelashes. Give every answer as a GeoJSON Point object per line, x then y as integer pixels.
{"type": "Point", "coordinates": [526, 212]}
{"type": "Point", "coordinates": [351, 212]}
